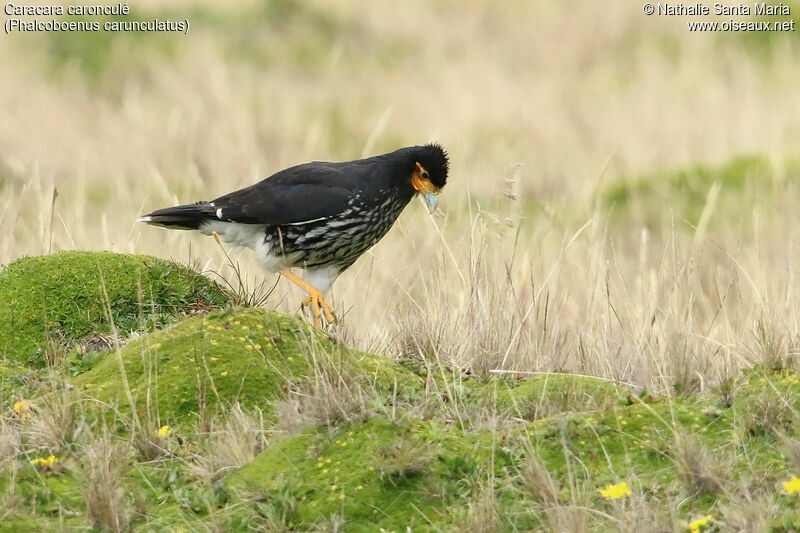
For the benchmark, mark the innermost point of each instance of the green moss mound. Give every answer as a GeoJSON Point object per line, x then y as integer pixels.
{"type": "Point", "coordinates": [384, 474]}
{"type": "Point", "coordinates": [377, 474]}
{"type": "Point", "coordinates": [51, 302]}
{"type": "Point", "coordinates": [252, 356]}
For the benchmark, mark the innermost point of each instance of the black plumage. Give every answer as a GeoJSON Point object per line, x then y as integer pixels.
{"type": "Point", "coordinates": [319, 216]}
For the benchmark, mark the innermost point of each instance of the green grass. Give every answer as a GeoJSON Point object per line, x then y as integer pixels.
{"type": "Point", "coordinates": [743, 181]}
{"type": "Point", "coordinates": [53, 302]}
{"type": "Point", "coordinates": [766, 43]}
{"type": "Point", "coordinates": [392, 473]}
{"type": "Point", "coordinates": [310, 32]}
{"type": "Point", "coordinates": [95, 52]}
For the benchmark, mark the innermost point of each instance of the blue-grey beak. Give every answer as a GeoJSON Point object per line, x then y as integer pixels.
{"type": "Point", "coordinates": [431, 200]}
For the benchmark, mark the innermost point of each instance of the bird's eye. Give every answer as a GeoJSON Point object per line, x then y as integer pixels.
{"type": "Point", "coordinates": [425, 174]}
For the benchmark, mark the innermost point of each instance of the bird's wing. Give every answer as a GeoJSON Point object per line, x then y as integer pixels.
{"type": "Point", "coordinates": [298, 194]}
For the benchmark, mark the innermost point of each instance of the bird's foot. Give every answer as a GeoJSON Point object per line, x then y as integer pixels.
{"type": "Point", "coordinates": [319, 308]}
{"type": "Point", "coordinates": [315, 301]}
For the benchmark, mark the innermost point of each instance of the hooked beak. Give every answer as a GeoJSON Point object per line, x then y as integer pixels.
{"type": "Point", "coordinates": [431, 201]}
{"type": "Point", "coordinates": [427, 190]}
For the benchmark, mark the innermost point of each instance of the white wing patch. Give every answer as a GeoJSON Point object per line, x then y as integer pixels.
{"type": "Point", "coordinates": [306, 221]}
{"type": "Point", "coordinates": [219, 213]}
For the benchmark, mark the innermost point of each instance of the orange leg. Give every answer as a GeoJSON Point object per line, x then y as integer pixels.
{"type": "Point", "coordinates": [314, 300]}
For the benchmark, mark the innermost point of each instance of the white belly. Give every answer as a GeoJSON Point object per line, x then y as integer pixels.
{"type": "Point", "coordinates": [248, 236]}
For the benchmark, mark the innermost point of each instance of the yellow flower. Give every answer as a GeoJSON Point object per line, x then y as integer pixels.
{"type": "Point", "coordinates": [615, 492]}
{"type": "Point", "coordinates": [792, 486]}
{"type": "Point", "coordinates": [700, 523]}
{"type": "Point", "coordinates": [164, 432]}
{"type": "Point", "coordinates": [46, 462]}
{"type": "Point", "coordinates": [23, 408]}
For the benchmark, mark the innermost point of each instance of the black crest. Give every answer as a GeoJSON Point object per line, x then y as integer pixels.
{"type": "Point", "coordinates": [433, 158]}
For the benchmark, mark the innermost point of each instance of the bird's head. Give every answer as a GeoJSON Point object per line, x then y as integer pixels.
{"type": "Point", "coordinates": [429, 173]}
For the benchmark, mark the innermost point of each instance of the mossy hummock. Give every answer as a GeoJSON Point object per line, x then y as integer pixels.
{"type": "Point", "coordinates": [251, 356]}
{"type": "Point", "coordinates": [376, 475]}
{"type": "Point", "coordinates": [51, 302]}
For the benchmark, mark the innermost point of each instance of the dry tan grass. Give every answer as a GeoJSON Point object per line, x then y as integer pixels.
{"type": "Point", "coordinates": [9, 442]}
{"type": "Point", "coordinates": [698, 472]}
{"type": "Point", "coordinates": [537, 479]}
{"type": "Point", "coordinates": [104, 463]}
{"type": "Point", "coordinates": [59, 423]}
{"type": "Point", "coordinates": [555, 96]}
{"type": "Point", "coordinates": [482, 514]}
{"type": "Point", "coordinates": [233, 440]}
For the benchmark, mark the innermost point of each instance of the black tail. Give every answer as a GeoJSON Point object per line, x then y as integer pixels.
{"type": "Point", "coordinates": [181, 216]}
